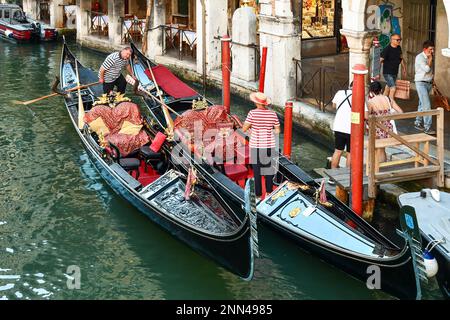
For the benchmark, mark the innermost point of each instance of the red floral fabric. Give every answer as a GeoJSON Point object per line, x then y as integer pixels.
{"type": "Point", "coordinates": [114, 119]}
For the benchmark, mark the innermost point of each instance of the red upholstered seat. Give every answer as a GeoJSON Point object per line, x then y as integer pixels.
{"type": "Point", "coordinates": [235, 172]}
{"type": "Point", "coordinates": [243, 154]}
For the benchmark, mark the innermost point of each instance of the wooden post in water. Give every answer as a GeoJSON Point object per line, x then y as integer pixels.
{"type": "Point", "coordinates": [226, 71]}
{"type": "Point", "coordinates": [357, 137]}
{"type": "Point", "coordinates": [287, 145]}
{"type": "Point", "coordinates": [262, 70]}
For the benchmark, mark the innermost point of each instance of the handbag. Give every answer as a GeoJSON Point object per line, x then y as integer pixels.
{"type": "Point", "coordinates": [392, 111]}
{"type": "Point", "coordinates": [439, 99]}
{"type": "Point", "coordinates": [402, 89]}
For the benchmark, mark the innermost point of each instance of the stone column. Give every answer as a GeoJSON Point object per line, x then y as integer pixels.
{"type": "Point", "coordinates": [243, 35]}
{"type": "Point", "coordinates": [156, 37]}
{"type": "Point", "coordinates": [83, 20]}
{"type": "Point", "coordinates": [31, 8]}
{"type": "Point", "coordinates": [446, 52]}
{"type": "Point", "coordinates": [359, 43]}
{"type": "Point", "coordinates": [278, 34]}
{"type": "Point", "coordinates": [57, 13]}
{"type": "Point", "coordinates": [215, 26]}
{"type": "Point", "coordinates": [116, 11]}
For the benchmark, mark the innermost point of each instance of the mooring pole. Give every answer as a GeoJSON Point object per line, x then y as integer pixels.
{"type": "Point", "coordinates": [287, 145]}
{"type": "Point", "coordinates": [262, 70]}
{"type": "Point", "coordinates": [357, 137]}
{"type": "Point", "coordinates": [226, 71]}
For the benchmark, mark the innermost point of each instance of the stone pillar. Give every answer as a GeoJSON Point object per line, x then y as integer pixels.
{"type": "Point", "coordinates": [31, 8]}
{"type": "Point", "coordinates": [279, 35]}
{"type": "Point", "coordinates": [156, 37]}
{"type": "Point", "coordinates": [116, 11]}
{"type": "Point", "coordinates": [359, 43]}
{"type": "Point", "coordinates": [446, 51]}
{"type": "Point", "coordinates": [215, 26]}
{"type": "Point", "coordinates": [83, 20]}
{"type": "Point", "coordinates": [244, 34]}
{"type": "Point", "coordinates": [57, 13]}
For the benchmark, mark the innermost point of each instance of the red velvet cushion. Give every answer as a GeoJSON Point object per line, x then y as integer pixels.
{"type": "Point", "coordinates": [158, 142]}
{"type": "Point", "coordinates": [235, 172]}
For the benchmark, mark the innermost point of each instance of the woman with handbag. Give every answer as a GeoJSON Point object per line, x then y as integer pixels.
{"type": "Point", "coordinates": [381, 105]}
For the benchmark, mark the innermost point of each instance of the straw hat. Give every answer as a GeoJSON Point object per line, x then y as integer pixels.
{"type": "Point", "coordinates": [260, 98]}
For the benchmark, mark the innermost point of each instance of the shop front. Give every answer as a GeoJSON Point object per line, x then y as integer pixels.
{"type": "Point", "coordinates": [320, 22]}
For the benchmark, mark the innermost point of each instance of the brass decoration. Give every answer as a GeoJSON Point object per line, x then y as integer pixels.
{"type": "Point", "coordinates": [102, 140]}
{"type": "Point", "coordinates": [326, 204]}
{"type": "Point", "coordinates": [278, 195]}
{"type": "Point", "coordinates": [111, 99]}
{"type": "Point", "coordinates": [199, 104]}
{"type": "Point", "coordinates": [295, 186]}
{"type": "Point", "coordinates": [294, 212]}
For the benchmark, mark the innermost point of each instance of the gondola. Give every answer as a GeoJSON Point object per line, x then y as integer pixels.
{"type": "Point", "coordinates": [213, 226]}
{"type": "Point", "coordinates": [330, 230]}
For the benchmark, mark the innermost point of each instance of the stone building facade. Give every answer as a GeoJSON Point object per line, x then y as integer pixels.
{"type": "Point", "coordinates": [186, 33]}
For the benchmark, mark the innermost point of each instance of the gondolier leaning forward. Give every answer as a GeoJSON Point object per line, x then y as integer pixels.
{"type": "Point", "coordinates": [110, 73]}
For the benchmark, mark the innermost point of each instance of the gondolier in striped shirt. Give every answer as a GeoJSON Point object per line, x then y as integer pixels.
{"type": "Point", "coordinates": [264, 125]}
{"type": "Point", "coordinates": [110, 73]}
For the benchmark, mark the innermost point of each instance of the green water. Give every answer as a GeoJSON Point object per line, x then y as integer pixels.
{"type": "Point", "coordinates": [56, 212]}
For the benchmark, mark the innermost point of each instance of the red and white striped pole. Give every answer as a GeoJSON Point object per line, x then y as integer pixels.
{"type": "Point", "coordinates": [226, 71]}
{"type": "Point", "coordinates": [287, 144]}
{"type": "Point", "coordinates": [357, 137]}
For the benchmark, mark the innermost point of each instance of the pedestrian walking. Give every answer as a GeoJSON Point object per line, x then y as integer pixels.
{"type": "Point", "coordinates": [391, 58]}
{"type": "Point", "coordinates": [424, 83]}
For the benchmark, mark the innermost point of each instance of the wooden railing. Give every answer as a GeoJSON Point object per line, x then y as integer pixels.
{"type": "Point", "coordinates": [99, 23]}
{"type": "Point", "coordinates": [425, 166]}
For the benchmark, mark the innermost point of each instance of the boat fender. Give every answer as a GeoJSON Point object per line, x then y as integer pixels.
{"type": "Point", "coordinates": [435, 194]}
{"type": "Point", "coordinates": [431, 265]}
{"type": "Point", "coordinates": [9, 34]}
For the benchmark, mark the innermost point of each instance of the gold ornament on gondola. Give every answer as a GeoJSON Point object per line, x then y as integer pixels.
{"type": "Point", "coordinates": [295, 186]}
{"type": "Point", "coordinates": [294, 212]}
{"type": "Point", "coordinates": [199, 104]}
{"type": "Point", "coordinates": [111, 99]}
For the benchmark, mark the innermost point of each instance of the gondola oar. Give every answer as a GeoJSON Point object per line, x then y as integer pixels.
{"type": "Point", "coordinates": [54, 94]}
{"type": "Point", "coordinates": [164, 106]}
{"type": "Point", "coordinates": [80, 101]}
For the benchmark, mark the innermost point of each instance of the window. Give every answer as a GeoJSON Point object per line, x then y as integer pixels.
{"type": "Point", "coordinates": [183, 7]}
{"type": "Point", "coordinates": [1, 14]}
{"type": "Point", "coordinates": [318, 19]}
{"type": "Point", "coordinates": [6, 14]}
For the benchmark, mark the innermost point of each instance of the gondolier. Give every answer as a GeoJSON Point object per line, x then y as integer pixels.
{"type": "Point", "coordinates": [110, 73]}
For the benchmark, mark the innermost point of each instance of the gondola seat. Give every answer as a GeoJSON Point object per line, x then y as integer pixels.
{"type": "Point", "coordinates": [235, 172]}
{"type": "Point", "coordinates": [130, 165]}
{"type": "Point", "coordinates": [150, 157]}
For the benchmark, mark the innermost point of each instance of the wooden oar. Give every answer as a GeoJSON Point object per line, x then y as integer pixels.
{"type": "Point", "coordinates": [80, 101]}
{"type": "Point", "coordinates": [169, 120]}
{"type": "Point", "coordinates": [54, 94]}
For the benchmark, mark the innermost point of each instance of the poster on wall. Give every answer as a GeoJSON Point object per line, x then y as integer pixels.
{"type": "Point", "coordinates": [389, 24]}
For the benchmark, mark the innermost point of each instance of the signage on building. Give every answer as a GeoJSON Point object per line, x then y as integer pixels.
{"type": "Point", "coordinates": [375, 66]}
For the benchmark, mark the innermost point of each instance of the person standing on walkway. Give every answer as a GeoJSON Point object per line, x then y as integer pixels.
{"type": "Point", "coordinates": [424, 84]}
{"type": "Point", "coordinates": [110, 73]}
{"type": "Point", "coordinates": [381, 105]}
{"type": "Point", "coordinates": [391, 58]}
{"type": "Point", "coordinates": [264, 125]}
{"type": "Point", "coordinates": [342, 101]}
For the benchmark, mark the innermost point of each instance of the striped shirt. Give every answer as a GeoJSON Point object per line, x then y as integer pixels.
{"type": "Point", "coordinates": [263, 121]}
{"type": "Point", "coordinates": [113, 66]}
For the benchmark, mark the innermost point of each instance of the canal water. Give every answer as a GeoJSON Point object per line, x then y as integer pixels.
{"type": "Point", "coordinates": [57, 215]}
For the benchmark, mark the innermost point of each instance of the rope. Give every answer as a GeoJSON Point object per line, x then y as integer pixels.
{"type": "Point", "coordinates": [433, 244]}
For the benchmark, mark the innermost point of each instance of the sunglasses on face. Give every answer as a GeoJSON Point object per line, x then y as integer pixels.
{"type": "Point", "coordinates": [398, 40]}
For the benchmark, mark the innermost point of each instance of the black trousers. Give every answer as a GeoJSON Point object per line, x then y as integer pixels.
{"type": "Point", "coordinates": [120, 82]}
{"type": "Point", "coordinates": [263, 164]}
